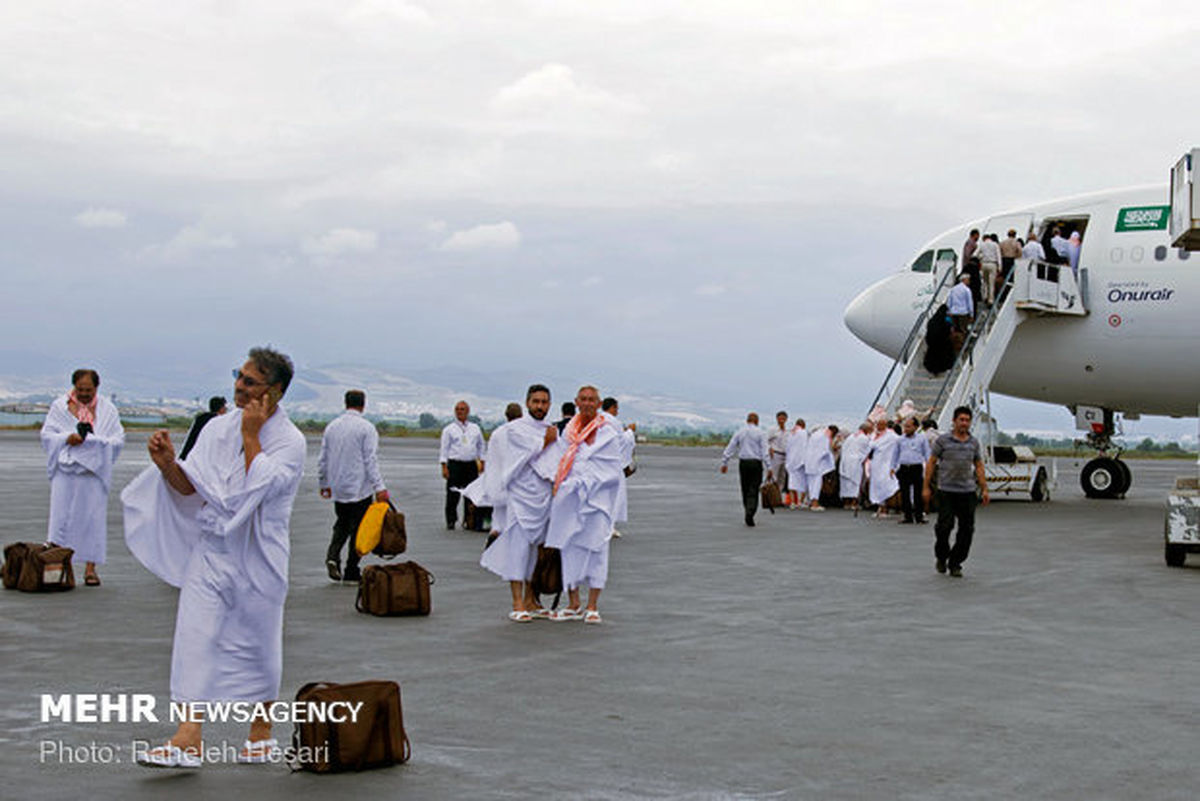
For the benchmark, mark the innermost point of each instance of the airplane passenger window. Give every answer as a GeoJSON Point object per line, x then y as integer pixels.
{"type": "Point", "coordinates": [923, 263]}
{"type": "Point", "coordinates": [1184, 255]}
{"type": "Point", "coordinates": [1137, 253]}
{"type": "Point", "coordinates": [1116, 254]}
{"type": "Point", "coordinates": [1160, 253]}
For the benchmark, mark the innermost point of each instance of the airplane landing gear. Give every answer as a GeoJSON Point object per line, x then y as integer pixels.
{"type": "Point", "coordinates": [1105, 476]}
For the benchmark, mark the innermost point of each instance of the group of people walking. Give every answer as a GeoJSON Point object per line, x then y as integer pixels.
{"type": "Point", "coordinates": [902, 461]}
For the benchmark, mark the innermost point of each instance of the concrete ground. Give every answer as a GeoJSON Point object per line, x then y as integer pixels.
{"type": "Point", "coordinates": [816, 656]}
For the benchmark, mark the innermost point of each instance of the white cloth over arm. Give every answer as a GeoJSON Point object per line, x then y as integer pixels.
{"type": "Point", "coordinates": [80, 477]}
{"type": "Point", "coordinates": [227, 548]}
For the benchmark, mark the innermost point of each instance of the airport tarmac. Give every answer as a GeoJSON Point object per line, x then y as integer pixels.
{"type": "Point", "coordinates": [816, 656]}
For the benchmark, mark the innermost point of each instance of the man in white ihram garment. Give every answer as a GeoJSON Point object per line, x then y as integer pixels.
{"type": "Point", "coordinates": [850, 467]}
{"type": "Point", "coordinates": [797, 448]}
{"type": "Point", "coordinates": [216, 526]}
{"type": "Point", "coordinates": [586, 465]}
{"type": "Point", "coordinates": [818, 460]}
{"type": "Point", "coordinates": [82, 437]}
{"type": "Point", "coordinates": [520, 498]}
{"type": "Point", "coordinates": [885, 450]}
{"type": "Point", "coordinates": [611, 406]}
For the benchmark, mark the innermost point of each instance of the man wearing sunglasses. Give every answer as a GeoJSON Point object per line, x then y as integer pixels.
{"type": "Point", "coordinates": [216, 526]}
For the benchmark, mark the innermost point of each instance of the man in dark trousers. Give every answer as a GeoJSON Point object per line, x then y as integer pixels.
{"type": "Point", "coordinates": [461, 458]}
{"type": "Point", "coordinates": [216, 406]}
{"type": "Point", "coordinates": [749, 444]}
{"type": "Point", "coordinates": [348, 473]}
{"type": "Point", "coordinates": [960, 475]}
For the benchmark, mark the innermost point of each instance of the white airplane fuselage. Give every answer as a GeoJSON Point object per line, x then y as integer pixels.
{"type": "Point", "coordinates": [1138, 348]}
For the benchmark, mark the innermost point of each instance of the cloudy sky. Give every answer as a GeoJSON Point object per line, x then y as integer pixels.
{"type": "Point", "coordinates": [673, 197]}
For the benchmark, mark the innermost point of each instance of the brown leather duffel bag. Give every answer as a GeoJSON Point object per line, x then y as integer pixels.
{"type": "Point", "coordinates": [37, 567]}
{"type": "Point", "coordinates": [393, 538]}
{"type": "Point", "coordinates": [387, 590]}
{"type": "Point", "coordinates": [375, 738]}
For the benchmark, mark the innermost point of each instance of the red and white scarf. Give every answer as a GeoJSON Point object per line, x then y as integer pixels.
{"type": "Point", "coordinates": [84, 412]}
{"type": "Point", "coordinates": [576, 433]}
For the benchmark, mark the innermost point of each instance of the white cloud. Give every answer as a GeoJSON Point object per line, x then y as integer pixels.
{"type": "Point", "coordinates": [595, 280]}
{"type": "Point", "coordinates": [553, 94]}
{"type": "Point", "coordinates": [435, 226]}
{"type": "Point", "coordinates": [190, 240]}
{"type": "Point", "coordinates": [93, 217]}
{"type": "Point", "coordinates": [499, 236]}
{"type": "Point", "coordinates": [339, 241]}
{"type": "Point", "coordinates": [709, 290]}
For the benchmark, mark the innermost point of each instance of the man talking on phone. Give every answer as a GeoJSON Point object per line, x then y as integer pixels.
{"type": "Point", "coordinates": [216, 526]}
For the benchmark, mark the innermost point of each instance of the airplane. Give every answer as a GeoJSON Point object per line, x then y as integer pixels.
{"type": "Point", "coordinates": [1132, 346]}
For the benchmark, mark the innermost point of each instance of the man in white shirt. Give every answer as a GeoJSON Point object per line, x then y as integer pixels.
{"type": "Point", "coordinates": [749, 444]}
{"type": "Point", "coordinates": [777, 448]}
{"type": "Point", "coordinates": [989, 266]}
{"type": "Point", "coordinates": [461, 458]}
{"type": "Point", "coordinates": [960, 303]}
{"type": "Point", "coordinates": [1033, 248]}
{"type": "Point", "coordinates": [348, 473]}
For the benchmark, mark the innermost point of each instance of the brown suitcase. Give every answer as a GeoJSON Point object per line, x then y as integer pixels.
{"type": "Point", "coordinates": [388, 590]}
{"type": "Point", "coordinates": [771, 496]}
{"type": "Point", "coordinates": [37, 567]}
{"type": "Point", "coordinates": [375, 739]}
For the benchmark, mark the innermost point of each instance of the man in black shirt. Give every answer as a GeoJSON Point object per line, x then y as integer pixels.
{"type": "Point", "coordinates": [216, 406]}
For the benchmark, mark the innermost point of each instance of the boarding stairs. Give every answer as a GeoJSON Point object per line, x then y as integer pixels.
{"type": "Point", "coordinates": [1031, 289]}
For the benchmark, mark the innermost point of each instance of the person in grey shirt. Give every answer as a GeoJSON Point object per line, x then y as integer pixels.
{"type": "Point", "coordinates": [749, 444]}
{"type": "Point", "coordinates": [961, 472]}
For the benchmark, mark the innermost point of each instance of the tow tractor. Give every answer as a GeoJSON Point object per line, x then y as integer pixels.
{"type": "Point", "coordinates": [1013, 470]}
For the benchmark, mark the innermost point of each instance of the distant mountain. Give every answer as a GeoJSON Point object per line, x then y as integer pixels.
{"type": "Point", "coordinates": [318, 393]}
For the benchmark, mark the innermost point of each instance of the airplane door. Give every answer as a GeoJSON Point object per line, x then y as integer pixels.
{"type": "Point", "coordinates": [999, 225]}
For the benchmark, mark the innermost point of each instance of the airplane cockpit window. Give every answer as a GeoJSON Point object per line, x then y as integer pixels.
{"type": "Point", "coordinates": [946, 256]}
{"type": "Point", "coordinates": [1160, 253]}
{"type": "Point", "coordinates": [923, 263]}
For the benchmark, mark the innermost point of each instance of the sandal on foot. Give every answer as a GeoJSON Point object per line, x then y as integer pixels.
{"type": "Point", "coordinates": [541, 613]}
{"type": "Point", "coordinates": [258, 752]}
{"type": "Point", "coordinates": [169, 756]}
{"type": "Point", "coordinates": [592, 616]}
{"type": "Point", "coordinates": [567, 613]}
{"type": "Point", "coordinates": [91, 580]}
{"type": "Point", "coordinates": [519, 616]}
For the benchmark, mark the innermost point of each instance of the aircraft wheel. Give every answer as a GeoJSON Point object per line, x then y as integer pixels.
{"type": "Point", "coordinates": [1175, 555]}
{"type": "Point", "coordinates": [1126, 477]}
{"type": "Point", "coordinates": [1102, 478]}
{"type": "Point", "coordinates": [1041, 487]}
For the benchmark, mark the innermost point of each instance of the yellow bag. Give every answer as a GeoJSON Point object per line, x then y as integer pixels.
{"type": "Point", "coordinates": [370, 527]}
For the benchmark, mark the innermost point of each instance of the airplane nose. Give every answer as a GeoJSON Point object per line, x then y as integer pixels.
{"type": "Point", "coordinates": [882, 314]}
{"type": "Point", "coordinates": [860, 314]}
